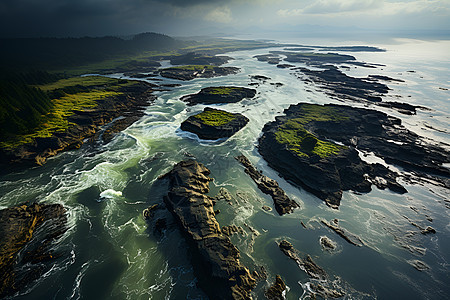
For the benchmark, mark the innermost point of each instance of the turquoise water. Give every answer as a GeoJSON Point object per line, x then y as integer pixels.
{"type": "Point", "coordinates": [111, 252]}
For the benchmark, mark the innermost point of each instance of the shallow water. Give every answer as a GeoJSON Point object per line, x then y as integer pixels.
{"type": "Point", "coordinates": [111, 252]}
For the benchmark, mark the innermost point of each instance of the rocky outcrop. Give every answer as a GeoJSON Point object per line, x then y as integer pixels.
{"type": "Point", "coordinates": [213, 124]}
{"type": "Point", "coordinates": [219, 94]}
{"type": "Point", "coordinates": [283, 204]}
{"type": "Point", "coordinates": [28, 230]}
{"type": "Point", "coordinates": [321, 285]}
{"type": "Point", "coordinates": [215, 258]}
{"type": "Point", "coordinates": [275, 292]}
{"type": "Point", "coordinates": [324, 168]}
{"type": "Point", "coordinates": [197, 71]}
{"type": "Point", "coordinates": [85, 124]}
{"type": "Point", "coordinates": [348, 236]}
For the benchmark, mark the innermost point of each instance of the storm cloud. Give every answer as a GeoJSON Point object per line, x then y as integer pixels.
{"type": "Point", "coordinates": [31, 18]}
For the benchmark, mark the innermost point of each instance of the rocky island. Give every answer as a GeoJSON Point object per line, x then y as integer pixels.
{"type": "Point", "coordinates": [213, 124]}
{"type": "Point", "coordinates": [315, 147]}
{"type": "Point", "coordinates": [190, 72]}
{"type": "Point", "coordinates": [219, 94]}
{"type": "Point", "coordinates": [215, 258]}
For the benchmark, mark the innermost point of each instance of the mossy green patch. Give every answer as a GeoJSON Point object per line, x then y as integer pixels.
{"type": "Point", "coordinates": [221, 90]}
{"type": "Point", "coordinates": [215, 117]}
{"type": "Point", "coordinates": [293, 134]}
{"type": "Point", "coordinates": [193, 67]}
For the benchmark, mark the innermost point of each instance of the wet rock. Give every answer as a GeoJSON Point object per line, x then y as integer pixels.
{"type": "Point", "coordinates": [285, 66]}
{"type": "Point", "coordinates": [224, 195]}
{"type": "Point", "coordinates": [34, 227]}
{"type": "Point", "coordinates": [427, 230]}
{"type": "Point", "coordinates": [232, 229]}
{"type": "Point", "coordinates": [327, 244]}
{"type": "Point", "coordinates": [260, 78]}
{"type": "Point", "coordinates": [324, 292]}
{"type": "Point", "coordinates": [324, 287]}
{"type": "Point", "coordinates": [419, 265]}
{"type": "Point", "coordinates": [306, 264]}
{"type": "Point", "coordinates": [149, 212]}
{"type": "Point", "coordinates": [267, 208]}
{"type": "Point", "coordinates": [275, 292]}
{"type": "Point", "coordinates": [348, 236]}
{"type": "Point", "coordinates": [215, 258]}
{"type": "Point", "coordinates": [212, 124]}
{"type": "Point", "coordinates": [219, 94]}
{"type": "Point", "coordinates": [283, 204]}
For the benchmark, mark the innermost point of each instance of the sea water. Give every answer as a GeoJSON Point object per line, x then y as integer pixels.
{"type": "Point", "coordinates": [111, 252]}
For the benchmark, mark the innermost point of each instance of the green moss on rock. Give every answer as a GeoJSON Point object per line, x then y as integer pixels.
{"type": "Point", "coordinates": [215, 117]}
{"type": "Point", "coordinates": [293, 134]}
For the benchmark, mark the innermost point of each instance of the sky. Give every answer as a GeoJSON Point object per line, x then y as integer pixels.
{"type": "Point", "coordinates": [64, 18]}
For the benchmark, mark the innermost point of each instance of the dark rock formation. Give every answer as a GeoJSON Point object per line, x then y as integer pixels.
{"type": "Point", "coordinates": [283, 204]}
{"type": "Point", "coordinates": [193, 58]}
{"type": "Point", "coordinates": [324, 288]}
{"type": "Point", "coordinates": [272, 59]}
{"type": "Point", "coordinates": [212, 124]}
{"type": "Point", "coordinates": [215, 258]}
{"type": "Point", "coordinates": [329, 169]}
{"type": "Point", "coordinates": [28, 230]}
{"type": "Point", "coordinates": [340, 85]}
{"type": "Point", "coordinates": [197, 71]}
{"type": "Point", "coordinates": [86, 124]}
{"type": "Point", "coordinates": [219, 94]}
{"type": "Point", "coordinates": [349, 237]}
{"type": "Point", "coordinates": [275, 292]}
{"type": "Point", "coordinates": [327, 244]}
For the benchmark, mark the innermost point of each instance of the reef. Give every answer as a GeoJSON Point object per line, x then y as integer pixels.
{"type": "Point", "coordinates": [214, 257]}
{"type": "Point", "coordinates": [212, 124]}
{"type": "Point", "coordinates": [283, 204]}
{"type": "Point", "coordinates": [27, 234]}
{"type": "Point", "coordinates": [219, 94]}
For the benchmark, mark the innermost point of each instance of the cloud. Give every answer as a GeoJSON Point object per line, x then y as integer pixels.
{"type": "Point", "coordinates": [220, 14]}
{"type": "Point", "coordinates": [373, 7]}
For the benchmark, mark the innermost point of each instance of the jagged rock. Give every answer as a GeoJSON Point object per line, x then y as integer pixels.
{"type": "Point", "coordinates": [275, 292]}
{"type": "Point", "coordinates": [427, 230]}
{"type": "Point", "coordinates": [34, 227]}
{"type": "Point", "coordinates": [326, 288]}
{"type": "Point", "coordinates": [212, 124]}
{"type": "Point", "coordinates": [219, 94]}
{"type": "Point", "coordinates": [306, 264]}
{"type": "Point", "coordinates": [283, 204]}
{"type": "Point", "coordinates": [232, 229]}
{"type": "Point", "coordinates": [419, 265]}
{"type": "Point", "coordinates": [149, 212]}
{"type": "Point", "coordinates": [327, 244]}
{"type": "Point", "coordinates": [215, 258]}
{"type": "Point", "coordinates": [349, 237]}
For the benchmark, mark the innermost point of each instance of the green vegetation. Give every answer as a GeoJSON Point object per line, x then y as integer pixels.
{"type": "Point", "coordinates": [221, 90]}
{"type": "Point", "coordinates": [293, 134]}
{"type": "Point", "coordinates": [215, 117]}
{"type": "Point", "coordinates": [39, 120]}
{"type": "Point", "coordinates": [193, 67]}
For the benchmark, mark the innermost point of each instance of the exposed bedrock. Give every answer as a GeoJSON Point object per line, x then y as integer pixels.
{"type": "Point", "coordinates": [215, 258]}
{"type": "Point", "coordinates": [27, 234]}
